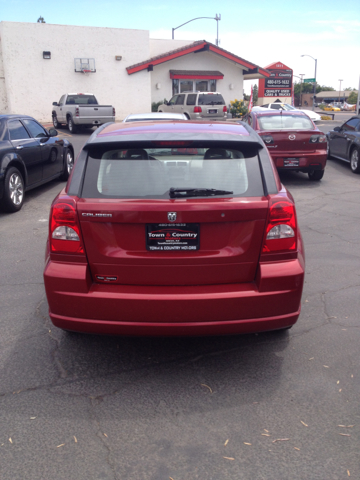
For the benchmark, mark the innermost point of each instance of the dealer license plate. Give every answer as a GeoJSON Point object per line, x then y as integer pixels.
{"type": "Point", "coordinates": [212, 110]}
{"type": "Point", "coordinates": [291, 162]}
{"type": "Point", "coordinates": [174, 236]}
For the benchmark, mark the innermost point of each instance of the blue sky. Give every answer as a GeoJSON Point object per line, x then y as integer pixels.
{"type": "Point", "coordinates": [260, 31]}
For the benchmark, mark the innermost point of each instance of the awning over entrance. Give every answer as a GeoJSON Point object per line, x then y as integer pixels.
{"type": "Point", "coordinates": [196, 74]}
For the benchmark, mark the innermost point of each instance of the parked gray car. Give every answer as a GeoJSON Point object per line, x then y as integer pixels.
{"type": "Point", "coordinates": [197, 105]}
{"type": "Point", "coordinates": [81, 109]}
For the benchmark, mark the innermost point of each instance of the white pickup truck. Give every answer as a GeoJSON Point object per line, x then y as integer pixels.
{"type": "Point", "coordinates": [81, 109]}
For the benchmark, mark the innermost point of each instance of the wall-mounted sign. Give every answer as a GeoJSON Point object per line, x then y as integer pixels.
{"type": "Point", "coordinates": [279, 84]}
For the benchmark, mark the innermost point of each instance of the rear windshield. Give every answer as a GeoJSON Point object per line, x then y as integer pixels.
{"type": "Point", "coordinates": [81, 99]}
{"type": "Point", "coordinates": [211, 99]}
{"type": "Point", "coordinates": [285, 122]}
{"type": "Point", "coordinates": [151, 172]}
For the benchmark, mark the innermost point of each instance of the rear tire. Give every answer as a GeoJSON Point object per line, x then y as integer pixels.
{"type": "Point", "coordinates": [316, 175]}
{"type": "Point", "coordinates": [14, 191]}
{"type": "Point", "coordinates": [328, 150]}
{"type": "Point", "coordinates": [72, 128]}
{"type": "Point", "coordinates": [354, 161]}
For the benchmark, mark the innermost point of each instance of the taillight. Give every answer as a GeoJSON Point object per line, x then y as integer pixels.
{"type": "Point", "coordinates": [197, 110]}
{"type": "Point", "coordinates": [317, 139]}
{"type": "Point", "coordinates": [77, 112]}
{"type": "Point", "coordinates": [281, 228]}
{"type": "Point", "coordinates": [225, 109]}
{"type": "Point", "coordinates": [64, 235]}
{"type": "Point", "coordinates": [113, 111]}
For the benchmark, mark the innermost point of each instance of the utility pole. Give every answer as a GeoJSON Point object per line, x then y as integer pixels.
{"type": "Point", "coordinates": [301, 81]}
{"type": "Point", "coordinates": [340, 90]}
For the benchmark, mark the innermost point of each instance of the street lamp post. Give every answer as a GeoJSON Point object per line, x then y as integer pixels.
{"type": "Point", "coordinates": [217, 18]}
{"type": "Point", "coordinates": [313, 106]}
{"type": "Point", "coordinates": [340, 90]}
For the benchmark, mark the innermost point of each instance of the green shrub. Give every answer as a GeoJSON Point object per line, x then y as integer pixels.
{"type": "Point", "coordinates": [156, 105]}
{"type": "Point", "coordinates": [238, 108]}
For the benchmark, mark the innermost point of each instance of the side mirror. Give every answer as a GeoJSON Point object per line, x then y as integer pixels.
{"type": "Point", "coordinates": [53, 132]}
{"type": "Point", "coordinates": [337, 129]}
{"type": "Point", "coordinates": [55, 104]}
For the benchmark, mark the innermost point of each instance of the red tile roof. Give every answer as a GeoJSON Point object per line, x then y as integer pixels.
{"type": "Point", "coordinates": [199, 45]}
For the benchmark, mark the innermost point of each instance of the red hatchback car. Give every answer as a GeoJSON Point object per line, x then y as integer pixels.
{"type": "Point", "coordinates": [293, 140]}
{"type": "Point", "coordinates": [174, 228]}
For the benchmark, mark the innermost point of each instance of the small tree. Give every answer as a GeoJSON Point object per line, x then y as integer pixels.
{"type": "Point", "coordinates": [41, 20]}
{"type": "Point", "coordinates": [255, 94]}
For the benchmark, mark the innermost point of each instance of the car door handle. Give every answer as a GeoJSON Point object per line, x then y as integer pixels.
{"type": "Point", "coordinates": [96, 109]}
{"type": "Point", "coordinates": [19, 147]}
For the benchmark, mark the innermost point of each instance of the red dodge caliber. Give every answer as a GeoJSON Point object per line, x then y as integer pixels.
{"type": "Point", "coordinates": [174, 229]}
{"type": "Point", "coordinates": [293, 140]}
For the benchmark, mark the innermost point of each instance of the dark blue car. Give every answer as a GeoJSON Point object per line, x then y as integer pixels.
{"type": "Point", "coordinates": [344, 143]}
{"type": "Point", "coordinates": [30, 155]}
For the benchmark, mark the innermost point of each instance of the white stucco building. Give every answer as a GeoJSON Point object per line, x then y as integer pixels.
{"type": "Point", "coordinates": [37, 66]}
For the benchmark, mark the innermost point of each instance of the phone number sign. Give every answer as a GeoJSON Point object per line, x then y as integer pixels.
{"type": "Point", "coordinates": [279, 84]}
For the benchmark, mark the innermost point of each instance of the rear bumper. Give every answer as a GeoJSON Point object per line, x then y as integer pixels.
{"type": "Point", "coordinates": [269, 303]}
{"type": "Point", "coordinates": [92, 120]}
{"type": "Point", "coordinates": [307, 161]}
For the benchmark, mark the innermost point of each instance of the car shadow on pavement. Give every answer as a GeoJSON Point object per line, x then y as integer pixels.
{"type": "Point", "coordinates": [227, 370]}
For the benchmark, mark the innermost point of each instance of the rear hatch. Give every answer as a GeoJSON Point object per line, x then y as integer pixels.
{"type": "Point", "coordinates": [136, 234]}
{"type": "Point", "coordinates": [296, 141]}
{"type": "Point", "coordinates": [212, 104]}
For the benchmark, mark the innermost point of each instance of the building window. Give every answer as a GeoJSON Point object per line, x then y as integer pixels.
{"type": "Point", "coordinates": [201, 85]}
{"type": "Point", "coordinates": [186, 86]}
{"type": "Point", "coordinates": [212, 85]}
{"type": "Point", "coordinates": [180, 86]}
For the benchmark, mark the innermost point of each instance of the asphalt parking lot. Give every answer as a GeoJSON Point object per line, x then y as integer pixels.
{"type": "Point", "coordinates": [254, 407]}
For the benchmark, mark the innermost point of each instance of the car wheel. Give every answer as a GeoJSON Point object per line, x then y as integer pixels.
{"type": "Point", "coordinates": [72, 128]}
{"type": "Point", "coordinates": [68, 165]}
{"type": "Point", "coordinates": [316, 175]}
{"type": "Point", "coordinates": [55, 122]}
{"type": "Point", "coordinates": [14, 190]}
{"type": "Point", "coordinates": [328, 149]}
{"type": "Point", "coordinates": [354, 161]}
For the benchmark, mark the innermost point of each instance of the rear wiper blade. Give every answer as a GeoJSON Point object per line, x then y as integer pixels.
{"type": "Point", "coordinates": [197, 192]}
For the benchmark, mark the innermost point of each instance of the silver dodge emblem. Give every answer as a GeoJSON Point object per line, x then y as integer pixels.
{"type": "Point", "coordinates": [171, 216]}
{"type": "Point", "coordinates": [292, 137]}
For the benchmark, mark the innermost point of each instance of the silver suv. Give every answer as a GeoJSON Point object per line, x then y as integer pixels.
{"type": "Point", "coordinates": [197, 105]}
